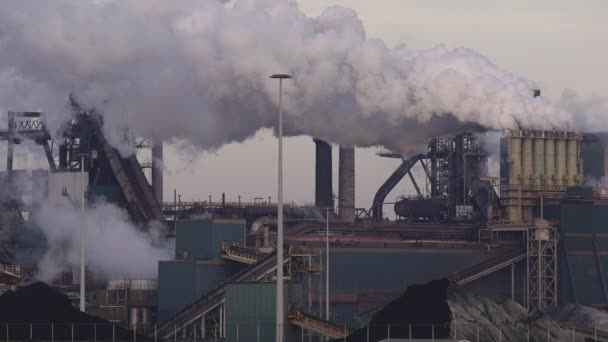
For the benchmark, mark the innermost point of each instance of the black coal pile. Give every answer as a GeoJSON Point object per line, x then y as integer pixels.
{"type": "Point", "coordinates": [422, 310]}
{"type": "Point", "coordinates": [42, 312]}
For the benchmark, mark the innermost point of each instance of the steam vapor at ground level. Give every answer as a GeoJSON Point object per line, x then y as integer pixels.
{"type": "Point", "coordinates": [115, 248]}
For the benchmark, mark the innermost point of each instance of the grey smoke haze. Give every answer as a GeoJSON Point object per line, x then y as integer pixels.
{"type": "Point", "coordinates": [115, 249]}
{"type": "Point", "coordinates": [198, 71]}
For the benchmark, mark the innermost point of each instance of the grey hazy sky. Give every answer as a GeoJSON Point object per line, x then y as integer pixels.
{"type": "Point", "coordinates": [558, 44]}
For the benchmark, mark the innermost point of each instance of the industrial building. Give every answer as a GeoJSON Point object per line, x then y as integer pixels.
{"type": "Point", "coordinates": [534, 233]}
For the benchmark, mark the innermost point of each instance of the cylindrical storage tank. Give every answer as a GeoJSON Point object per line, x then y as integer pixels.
{"type": "Point", "coordinates": [417, 208]}
{"type": "Point", "coordinates": [549, 161]}
{"type": "Point", "coordinates": [527, 157]}
{"type": "Point", "coordinates": [572, 162]}
{"type": "Point", "coordinates": [515, 171]}
{"type": "Point", "coordinates": [143, 284]}
{"type": "Point", "coordinates": [134, 317]}
{"type": "Point", "coordinates": [539, 160]}
{"type": "Point", "coordinates": [145, 318]}
{"type": "Point", "coordinates": [560, 161]}
{"type": "Point", "coordinates": [266, 232]}
{"type": "Point", "coordinates": [118, 284]}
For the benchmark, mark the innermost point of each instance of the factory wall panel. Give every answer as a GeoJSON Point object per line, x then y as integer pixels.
{"type": "Point", "coordinates": [182, 282]}
{"type": "Point", "coordinates": [202, 238]}
{"type": "Point", "coordinates": [229, 231]}
{"type": "Point", "coordinates": [593, 152]}
{"type": "Point", "coordinates": [176, 286]}
{"type": "Point", "coordinates": [389, 270]}
{"type": "Point", "coordinates": [250, 309]}
{"type": "Point", "coordinates": [583, 252]}
{"type": "Point", "coordinates": [193, 239]}
{"type": "Point", "coordinates": [587, 279]}
{"type": "Point", "coordinates": [209, 277]}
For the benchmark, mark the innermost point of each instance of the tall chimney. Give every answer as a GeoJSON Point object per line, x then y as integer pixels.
{"type": "Point", "coordinates": [606, 161]}
{"type": "Point", "coordinates": [323, 175]}
{"type": "Point", "coordinates": [157, 171]}
{"type": "Point", "coordinates": [346, 184]}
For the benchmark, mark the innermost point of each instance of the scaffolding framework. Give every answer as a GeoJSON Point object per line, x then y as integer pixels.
{"type": "Point", "coordinates": [541, 285]}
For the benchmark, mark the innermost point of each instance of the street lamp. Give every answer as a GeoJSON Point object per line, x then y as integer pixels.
{"type": "Point", "coordinates": [82, 237]}
{"type": "Point", "coordinates": [327, 263]}
{"type": "Point", "coordinates": [279, 311]}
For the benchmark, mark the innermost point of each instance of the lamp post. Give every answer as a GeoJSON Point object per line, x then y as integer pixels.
{"type": "Point", "coordinates": [82, 235]}
{"type": "Point", "coordinates": [279, 309]}
{"type": "Point", "coordinates": [327, 263]}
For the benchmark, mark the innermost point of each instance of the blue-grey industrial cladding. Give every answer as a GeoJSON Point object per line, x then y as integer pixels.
{"type": "Point", "coordinates": [251, 309]}
{"type": "Point", "coordinates": [593, 154]}
{"type": "Point", "coordinates": [389, 271]}
{"type": "Point", "coordinates": [202, 238]}
{"type": "Point", "coordinates": [181, 282]}
{"type": "Point", "coordinates": [583, 257]}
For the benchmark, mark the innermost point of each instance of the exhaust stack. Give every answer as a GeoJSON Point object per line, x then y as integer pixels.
{"type": "Point", "coordinates": [157, 171]}
{"type": "Point", "coordinates": [323, 175]}
{"type": "Point", "coordinates": [346, 184]}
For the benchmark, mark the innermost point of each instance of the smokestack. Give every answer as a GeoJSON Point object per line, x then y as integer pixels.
{"type": "Point", "coordinates": [11, 142]}
{"type": "Point", "coordinates": [346, 184]}
{"type": "Point", "coordinates": [323, 175]}
{"type": "Point", "coordinates": [157, 171]}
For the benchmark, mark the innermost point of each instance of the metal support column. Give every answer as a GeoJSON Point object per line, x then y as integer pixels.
{"type": "Point", "coordinates": [513, 282]}
{"type": "Point", "coordinates": [541, 266]}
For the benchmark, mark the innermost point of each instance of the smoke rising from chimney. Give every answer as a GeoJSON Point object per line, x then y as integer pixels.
{"type": "Point", "coordinates": [198, 71]}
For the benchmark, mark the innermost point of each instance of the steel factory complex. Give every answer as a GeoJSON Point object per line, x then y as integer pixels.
{"type": "Point", "coordinates": [536, 233]}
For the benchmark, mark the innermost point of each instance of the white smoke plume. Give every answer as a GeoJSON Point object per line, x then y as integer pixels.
{"type": "Point", "coordinates": [115, 249]}
{"type": "Point", "coordinates": [198, 71]}
{"type": "Point", "coordinates": [590, 111]}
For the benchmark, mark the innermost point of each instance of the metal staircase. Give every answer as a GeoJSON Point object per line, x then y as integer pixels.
{"type": "Point", "coordinates": [309, 322]}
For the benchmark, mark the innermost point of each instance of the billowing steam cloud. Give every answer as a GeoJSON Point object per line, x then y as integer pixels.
{"type": "Point", "coordinates": [115, 249]}
{"type": "Point", "coordinates": [198, 71]}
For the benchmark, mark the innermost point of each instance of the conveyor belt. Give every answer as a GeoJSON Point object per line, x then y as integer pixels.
{"type": "Point", "coordinates": [488, 267]}
{"type": "Point", "coordinates": [309, 322]}
{"type": "Point", "coordinates": [133, 183]}
{"type": "Point", "coordinates": [216, 297]}
{"type": "Point", "coordinates": [239, 254]}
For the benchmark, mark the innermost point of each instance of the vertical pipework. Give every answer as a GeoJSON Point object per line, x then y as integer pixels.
{"type": "Point", "coordinates": [527, 159]}
{"type": "Point", "coordinates": [572, 161]}
{"type": "Point", "coordinates": [539, 159]}
{"type": "Point", "coordinates": [515, 171]}
{"type": "Point", "coordinates": [11, 142]}
{"type": "Point", "coordinates": [549, 160]}
{"type": "Point", "coordinates": [346, 184]}
{"type": "Point", "coordinates": [157, 171]}
{"type": "Point", "coordinates": [560, 161]}
{"type": "Point", "coordinates": [323, 175]}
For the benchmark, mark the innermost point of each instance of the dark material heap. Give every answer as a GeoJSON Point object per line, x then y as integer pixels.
{"type": "Point", "coordinates": [43, 313]}
{"type": "Point", "coordinates": [421, 309]}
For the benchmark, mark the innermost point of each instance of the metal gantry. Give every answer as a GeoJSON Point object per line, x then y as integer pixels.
{"type": "Point", "coordinates": [541, 285]}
